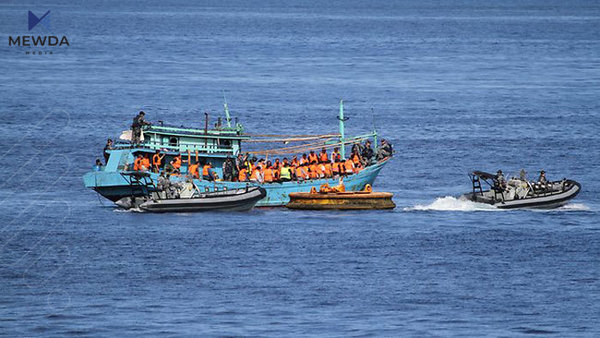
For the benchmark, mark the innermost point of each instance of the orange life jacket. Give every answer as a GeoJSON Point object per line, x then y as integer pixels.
{"type": "Point", "coordinates": [301, 173]}
{"type": "Point", "coordinates": [243, 175]}
{"type": "Point", "coordinates": [313, 171]}
{"type": "Point", "coordinates": [137, 164]}
{"type": "Point", "coordinates": [269, 175]}
{"type": "Point", "coordinates": [205, 170]}
{"type": "Point", "coordinates": [193, 169]}
{"type": "Point", "coordinates": [328, 172]}
{"type": "Point", "coordinates": [324, 157]}
{"type": "Point", "coordinates": [156, 160]}
{"type": "Point", "coordinates": [255, 175]}
{"type": "Point", "coordinates": [177, 163]}
{"type": "Point", "coordinates": [336, 167]}
{"type": "Point", "coordinates": [313, 157]}
{"type": "Point", "coordinates": [303, 161]}
{"type": "Point", "coordinates": [349, 166]}
{"type": "Point", "coordinates": [145, 163]}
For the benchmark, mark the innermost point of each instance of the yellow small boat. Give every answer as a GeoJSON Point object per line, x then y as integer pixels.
{"type": "Point", "coordinates": [338, 199]}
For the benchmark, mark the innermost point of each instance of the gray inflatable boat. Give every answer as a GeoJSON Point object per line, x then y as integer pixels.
{"type": "Point", "coordinates": [226, 200]}
{"type": "Point", "coordinates": [520, 193]}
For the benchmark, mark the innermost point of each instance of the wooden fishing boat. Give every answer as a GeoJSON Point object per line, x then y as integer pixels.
{"type": "Point", "coordinates": [217, 145]}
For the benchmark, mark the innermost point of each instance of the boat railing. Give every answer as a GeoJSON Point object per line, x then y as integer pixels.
{"type": "Point", "coordinates": [193, 147]}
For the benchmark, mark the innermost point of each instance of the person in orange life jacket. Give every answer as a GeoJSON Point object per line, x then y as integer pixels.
{"type": "Point", "coordinates": [157, 161]}
{"type": "Point", "coordinates": [269, 173]}
{"type": "Point", "coordinates": [303, 160]}
{"type": "Point", "coordinates": [335, 167]}
{"type": "Point", "coordinates": [294, 162]}
{"type": "Point", "coordinates": [323, 156]}
{"type": "Point", "coordinates": [170, 168]}
{"type": "Point", "coordinates": [313, 172]}
{"type": "Point", "coordinates": [145, 163]}
{"type": "Point", "coordinates": [177, 162]}
{"type": "Point", "coordinates": [312, 156]}
{"type": "Point", "coordinates": [243, 175]}
{"type": "Point", "coordinates": [320, 170]}
{"type": "Point", "coordinates": [323, 168]}
{"type": "Point", "coordinates": [207, 173]}
{"type": "Point", "coordinates": [137, 163]}
{"type": "Point", "coordinates": [301, 173]}
{"type": "Point", "coordinates": [335, 155]}
{"type": "Point", "coordinates": [349, 167]}
{"type": "Point", "coordinates": [193, 165]}
{"type": "Point", "coordinates": [257, 176]}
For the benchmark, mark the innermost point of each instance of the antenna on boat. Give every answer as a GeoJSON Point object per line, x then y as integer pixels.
{"type": "Point", "coordinates": [374, 129]}
{"type": "Point", "coordinates": [227, 117]}
{"type": "Point", "coordinates": [342, 120]}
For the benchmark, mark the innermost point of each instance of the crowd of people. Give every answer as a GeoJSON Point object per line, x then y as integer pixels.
{"type": "Point", "coordinates": [245, 168]}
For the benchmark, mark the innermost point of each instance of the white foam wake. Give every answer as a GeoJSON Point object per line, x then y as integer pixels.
{"type": "Point", "coordinates": [450, 203]}
{"type": "Point", "coordinates": [574, 207]}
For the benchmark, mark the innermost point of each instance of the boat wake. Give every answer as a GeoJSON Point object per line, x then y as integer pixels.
{"type": "Point", "coordinates": [450, 203]}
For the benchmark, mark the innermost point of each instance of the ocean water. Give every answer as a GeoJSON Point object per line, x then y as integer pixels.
{"type": "Point", "coordinates": [455, 86]}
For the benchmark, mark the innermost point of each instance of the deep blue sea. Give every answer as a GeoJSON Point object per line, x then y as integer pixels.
{"type": "Point", "coordinates": [455, 85]}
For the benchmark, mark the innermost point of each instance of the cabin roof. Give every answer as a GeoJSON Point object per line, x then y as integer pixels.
{"type": "Point", "coordinates": [199, 133]}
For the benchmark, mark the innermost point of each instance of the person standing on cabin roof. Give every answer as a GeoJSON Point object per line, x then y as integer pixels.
{"type": "Point", "coordinates": [157, 161]}
{"type": "Point", "coordinates": [136, 127]}
{"type": "Point", "coordinates": [107, 147]}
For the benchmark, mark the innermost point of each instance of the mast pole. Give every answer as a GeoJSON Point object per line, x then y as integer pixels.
{"type": "Point", "coordinates": [341, 118]}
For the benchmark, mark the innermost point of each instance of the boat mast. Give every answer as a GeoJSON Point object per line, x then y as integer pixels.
{"type": "Point", "coordinates": [342, 139]}
{"type": "Point", "coordinates": [227, 117]}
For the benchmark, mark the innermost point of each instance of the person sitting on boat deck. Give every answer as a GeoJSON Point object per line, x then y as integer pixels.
{"type": "Point", "coordinates": [301, 173]}
{"type": "Point", "coordinates": [385, 150]}
{"type": "Point", "coordinates": [335, 167]}
{"type": "Point", "coordinates": [257, 176]}
{"type": "Point", "coordinates": [323, 157]}
{"type": "Point", "coordinates": [312, 157]}
{"type": "Point", "coordinates": [98, 165]}
{"type": "Point", "coordinates": [335, 155]}
{"type": "Point", "coordinates": [107, 147]}
{"type": "Point", "coordinates": [207, 173]}
{"type": "Point", "coordinates": [286, 172]}
{"type": "Point", "coordinates": [269, 173]}
{"type": "Point", "coordinates": [349, 167]}
{"type": "Point", "coordinates": [313, 171]}
{"type": "Point", "coordinates": [303, 159]}
{"type": "Point", "coordinates": [157, 161]}
{"type": "Point", "coordinates": [294, 162]}
{"type": "Point", "coordinates": [277, 164]}
{"type": "Point", "coordinates": [356, 159]}
{"type": "Point", "coordinates": [542, 179]}
{"type": "Point", "coordinates": [170, 168]}
{"type": "Point", "coordinates": [136, 127]}
{"type": "Point", "coordinates": [327, 169]}
{"type": "Point", "coordinates": [367, 153]}
{"type": "Point", "coordinates": [243, 175]}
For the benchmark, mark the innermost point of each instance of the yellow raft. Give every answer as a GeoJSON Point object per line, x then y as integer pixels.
{"type": "Point", "coordinates": [332, 198]}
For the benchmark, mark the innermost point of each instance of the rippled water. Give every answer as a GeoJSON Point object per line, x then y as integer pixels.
{"type": "Point", "coordinates": [455, 86]}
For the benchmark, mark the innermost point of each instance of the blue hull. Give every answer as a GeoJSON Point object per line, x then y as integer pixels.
{"type": "Point", "coordinates": [114, 186]}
